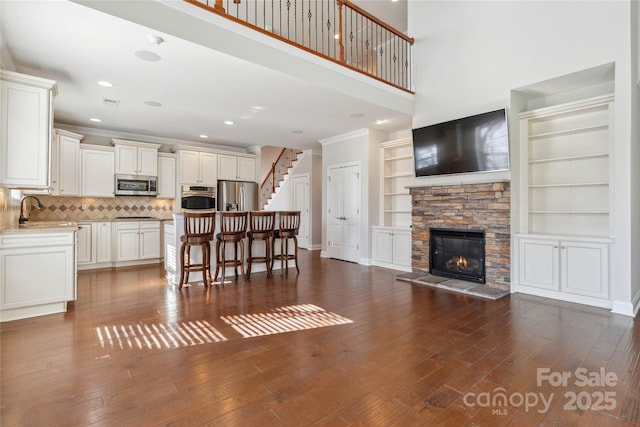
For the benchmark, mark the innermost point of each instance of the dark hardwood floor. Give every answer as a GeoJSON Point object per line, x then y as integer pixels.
{"type": "Point", "coordinates": [337, 345]}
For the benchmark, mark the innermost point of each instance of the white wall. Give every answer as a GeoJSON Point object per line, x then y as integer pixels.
{"type": "Point", "coordinates": [469, 55]}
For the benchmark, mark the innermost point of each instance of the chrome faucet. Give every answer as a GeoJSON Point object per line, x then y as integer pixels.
{"type": "Point", "coordinates": [24, 218]}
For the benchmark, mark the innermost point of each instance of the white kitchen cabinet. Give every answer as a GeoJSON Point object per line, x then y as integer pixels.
{"type": "Point", "coordinates": [97, 177]}
{"type": "Point", "coordinates": [198, 168]}
{"type": "Point", "coordinates": [170, 252]}
{"type": "Point", "coordinates": [83, 244]}
{"type": "Point", "coordinates": [26, 119]}
{"type": "Point", "coordinates": [236, 168]}
{"type": "Point", "coordinates": [563, 268]}
{"type": "Point", "coordinates": [65, 163]}
{"type": "Point", "coordinates": [166, 176]}
{"type": "Point", "coordinates": [136, 158]}
{"type": "Point", "coordinates": [93, 248]}
{"type": "Point", "coordinates": [26, 291]}
{"type": "Point", "coordinates": [392, 247]}
{"type": "Point", "coordinates": [137, 240]}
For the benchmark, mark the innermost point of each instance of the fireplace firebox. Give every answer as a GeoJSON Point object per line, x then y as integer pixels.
{"type": "Point", "coordinates": [458, 254]}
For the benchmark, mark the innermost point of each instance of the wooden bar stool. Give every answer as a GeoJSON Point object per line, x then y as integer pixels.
{"type": "Point", "coordinates": [289, 224]}
{"type": "Point", "coordinates": [261, 227]}
{"type": "Point", "coordinates": [233, 229]}
{"type": "Point", "coordinates": [198, 231]}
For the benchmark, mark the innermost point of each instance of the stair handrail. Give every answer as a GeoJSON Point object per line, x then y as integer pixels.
{"type": "Point", "coordinates": [272, 172]}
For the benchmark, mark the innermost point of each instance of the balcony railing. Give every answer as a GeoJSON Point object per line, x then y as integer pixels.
{"type": "Point", "coordinates": [336, 30]}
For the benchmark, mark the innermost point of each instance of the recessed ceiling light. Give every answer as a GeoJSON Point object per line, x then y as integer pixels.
{"type": "Point", "coordinates": [153, 103]}
{"type": "Point", "coordinates": [105, 83]}
{"type": "Point", "coordinates": [228, 122]}
{"type": "Point", "coordinates": [145, 55]}
{"type": "Point", "coordinates": [380, 121]}
{"type": "Point", "coordinates": [155, 39]}
{"type": "Point", "coordinates": [356, 115]}
{"type": "Point", "coordinates": [204, 136]}
{"type": "Point", "coordinates": [93, 119]}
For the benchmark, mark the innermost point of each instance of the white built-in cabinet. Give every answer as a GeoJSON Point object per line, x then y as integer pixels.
{"type": "Point", "coordinates": [26, 122]}
{"type": "Point", "coordinates": [236, 168]}
{"type": "Point", "coordinates": [565, 201]}
{"type": "Point", "coordinates": [93, 244]}
{"type": "Point", "coordinates": [97, 166]}
{"type": "Point", "coordinates": [37, 273]}
{"type": "Point", "coordinates": [166, 176]}
{"type": "Point", "coordinates": [391, 241]}
{"type": "Point", "coordinates": [136, 158]}
{"type": "Point", "coordinates": [197, 168]}
{"type": "Point", "coordinates": [396, 164]}
{"type": "Point", "coordinates": [65, 163]}
{"type": "Point", "coordinates": [392, 247]}
{"type": "Point", "coordinates": [137, 240]}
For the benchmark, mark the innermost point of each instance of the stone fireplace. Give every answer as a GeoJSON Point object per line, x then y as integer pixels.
{"type": "Point", "coordinates": [483, 208]}
{"type": "Point", "coordinates": [458, 254]}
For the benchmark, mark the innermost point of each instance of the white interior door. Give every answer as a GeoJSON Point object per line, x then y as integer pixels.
{"type": "Point", "coordinates": [343, 212]}
{"type": "Point", "coordinates": [300, 202]}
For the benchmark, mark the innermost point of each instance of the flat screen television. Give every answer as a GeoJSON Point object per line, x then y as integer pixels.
{"type": "Point", "coordinates": [477, 143]}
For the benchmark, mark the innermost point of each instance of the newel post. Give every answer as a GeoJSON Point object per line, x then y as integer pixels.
{"type": "Point", "coordinates": [218, 6]}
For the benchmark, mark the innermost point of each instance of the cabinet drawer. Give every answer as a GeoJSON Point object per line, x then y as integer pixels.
{"type": "Point", "coordinates": [27, 239]}
{"type": "Point", "coordinates": [128, 225]}
{"type": "Point", "coordinates": [147, 225]}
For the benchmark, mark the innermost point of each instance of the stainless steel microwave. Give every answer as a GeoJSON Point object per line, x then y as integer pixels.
{"type": "Point", "coordinates": [136, 185]}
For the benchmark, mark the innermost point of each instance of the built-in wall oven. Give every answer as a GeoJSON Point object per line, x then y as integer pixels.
{"type": "Point", "coordinates": [197, 197]}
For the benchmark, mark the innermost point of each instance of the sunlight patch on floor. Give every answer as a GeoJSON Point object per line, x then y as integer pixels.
{"type": "Point", "coordinates": [157, 335]}
{"type": "Point", "coordinates": [284, 319]}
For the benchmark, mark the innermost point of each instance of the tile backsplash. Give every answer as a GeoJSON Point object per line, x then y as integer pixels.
{"type": "Point", "coordinates": [56, 208]}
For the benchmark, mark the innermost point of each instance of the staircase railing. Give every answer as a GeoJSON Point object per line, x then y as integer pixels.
{"type": "Point", "coordinates": [279, 168]}
{"type": "Point", "coordinates": [336, 30]}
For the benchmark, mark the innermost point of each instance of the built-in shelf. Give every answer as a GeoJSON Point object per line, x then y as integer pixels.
{"type": "Point", "coordinates": [399, 175]}
{"type": "Point", "coordinates": [569, 158]}
{"type": "Point", "coordinates": [570, 131]}
{"type": "Point", "coordinates": [569, 184]}
{"type": "Point", "coordinates": [398, 194]}
{"type": "Point", "coordinates": [571, 212]}
{"type": "Point", "coordinates": [404, 156]}
{"type": "Point", "coordinates": [396, 165]}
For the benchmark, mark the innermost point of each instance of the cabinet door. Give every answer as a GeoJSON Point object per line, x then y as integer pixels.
{"type": "Point", "coordinates": [539, 263]}
{"type": "Point", "coordinates": [382, 246]}
{"type": "Point", "coordinates": [68, 158]}
{"type": "Point", "coordinates": [189, 167]}
{"type": "Point", "coordinates": [102, 241]}
{"type": "Point", "coordinates": [246, 169]}
{"type": "Point", "coordinates": [585, 268]}
{"type": "Point", "coordinates": [97, 173]}
{"type": "Point", "coordinates": [149, 244]}
{"type": "Point", "coordinates": [147, 161]}
{"type": "Point", "coordinates": [25, 131]}
{"type": "Point", "coordinates": [127, 244]}
{"type": "Point", "coordinates": [209, 169]}
{"type": "Point", "coordinates": [227, 167]}
{"type": "Point", "coordinates": [126, 160]}
{"type": "Point", "coordinates": [84, 236]}
{"type": "Point", "coordinates": [166, 177]}
{"type": "Point", "coordinates": [402, 248]}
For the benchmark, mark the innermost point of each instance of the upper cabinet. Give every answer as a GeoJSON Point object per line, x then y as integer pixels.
{"type": "Point", "coordinates": [198, 168]}
{"type": "Point", "coordinates": [65, 163]}
{"type": "Point", "coordinates": [166, 176]}
{"type": "Point", "coordinates": [136, 158]}
{"type": "Point", "coordinates": [236, 168]}
{"type": "Point", "coordinates": [97, 178]}
{"type": "Point", "coordinates": [26, 118]}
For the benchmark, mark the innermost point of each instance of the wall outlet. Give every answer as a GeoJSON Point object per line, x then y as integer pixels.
{"type": "Point", "coordinates": [83, 207]}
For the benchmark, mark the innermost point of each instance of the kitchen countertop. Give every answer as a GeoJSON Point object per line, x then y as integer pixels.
{"type": "Point", "coordinates": [69, 225]}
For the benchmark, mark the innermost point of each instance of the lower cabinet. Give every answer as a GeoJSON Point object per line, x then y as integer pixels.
{"type": "Point", "coordinates": [26, 291]}
{"type": "Point", "coordinates": [93, 245]}
{"type": "Point", "coordinates": [392, 247]}
{"type": "Point", "coordinates": [572, 270]}
{"type": "Point", "coordinates": [137, 240]}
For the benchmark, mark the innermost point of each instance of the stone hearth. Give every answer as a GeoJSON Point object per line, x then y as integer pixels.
{"type": "Point", "coordinates": [466, 207]}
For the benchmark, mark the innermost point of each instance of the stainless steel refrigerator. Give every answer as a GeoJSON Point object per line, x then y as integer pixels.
{"type": "Point", "coordinates": [237, 196]}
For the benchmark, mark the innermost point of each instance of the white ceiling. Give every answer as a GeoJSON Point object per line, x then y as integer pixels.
{"type": "Point", "coordinates": [199, 87]}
